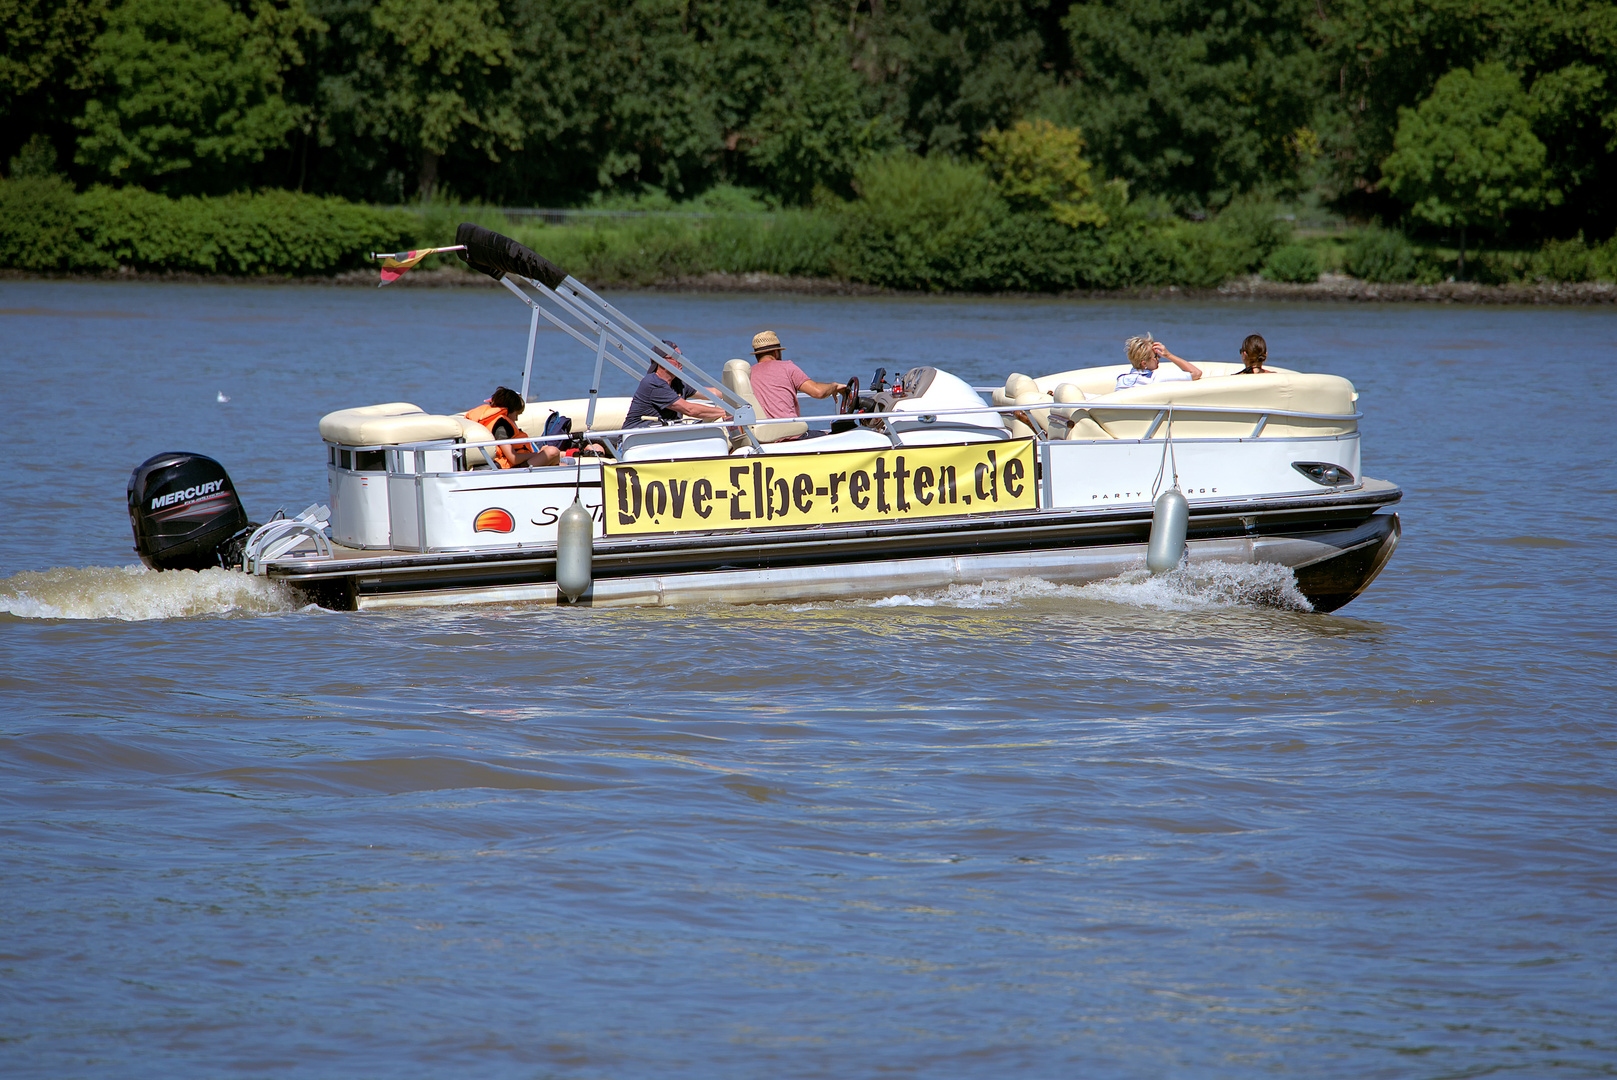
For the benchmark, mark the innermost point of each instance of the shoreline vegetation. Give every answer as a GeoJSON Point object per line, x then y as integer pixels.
{"type": "Point", "coordinates": [1451, 150]}
{"type": "Point", "coordinates": [918, 225]}
{"type": "Point", "coordinates": [1338, 288]}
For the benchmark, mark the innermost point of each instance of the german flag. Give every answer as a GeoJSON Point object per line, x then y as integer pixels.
{"type": "Point", "coordinates": [399, 263]}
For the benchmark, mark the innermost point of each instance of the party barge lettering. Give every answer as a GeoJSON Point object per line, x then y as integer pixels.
{"type": "Point", "coordinates": [818, 489]}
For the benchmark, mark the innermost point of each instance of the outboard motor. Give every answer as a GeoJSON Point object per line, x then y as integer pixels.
{"type": "Point", "coordinates": [185, 513]}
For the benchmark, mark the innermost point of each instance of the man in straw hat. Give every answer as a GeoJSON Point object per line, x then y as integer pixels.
{"type": "Point", "coordinates": [776, 381]}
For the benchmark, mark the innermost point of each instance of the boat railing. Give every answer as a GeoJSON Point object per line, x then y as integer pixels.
{"type": "Point", "coordinates": [1162, 414]}
{"type": "Point", "coordinates": [1043, 418]}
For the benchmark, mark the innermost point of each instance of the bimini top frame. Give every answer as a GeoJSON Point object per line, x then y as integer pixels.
{"type": "Point", "coordinates": [574, 308]}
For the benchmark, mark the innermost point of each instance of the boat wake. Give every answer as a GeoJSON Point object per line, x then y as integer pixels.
{"type": "Point", "coordinates": [134, 593]}
{"type": "Point", "coordinates": [1202, 587]}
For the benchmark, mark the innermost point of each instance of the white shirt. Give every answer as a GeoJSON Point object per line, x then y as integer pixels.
{"type": "Point", "coordinates": [1163, 374]}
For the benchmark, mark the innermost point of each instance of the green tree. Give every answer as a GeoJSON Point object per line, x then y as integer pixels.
{"type": "Point", "coordinates": [617, 95]}
{"type": "Point", "coordinates": [406, 85]}
{"type": "Point", "coordinates": [926, 222]}
{"type": "Point", "coordinates": [186, 94]}
{"type": "Point", "coordinates": [1384, 55]}
{"type": "Point", "coordinates": [818, 126]}
{"type": "Point", "coordinates": [37, 218]}
{"type": "Point", "coordinates": [948, 70]}
{"type": "Point", "coordinates": [42, 39]}
{"type": "Point", "coordinates": [1039, 166]}
{"type": "Point", "coordinates": [442, 82]}
{"type": "Point", "coordinates": [1467, 156]}
{"type": "Point", "coordinates": [43, 44]}
{"type": "Point", "coordinates": [622, 96]}
{"type": "Point", "coordinates": [1246, 232]}
{"type": "Point", "coordinates": [1381, 56]}
{"type": "Point", "coordinates": [1194, 100]}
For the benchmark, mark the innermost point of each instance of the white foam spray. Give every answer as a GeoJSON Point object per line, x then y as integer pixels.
{"type": "Point", "coordinates": [1199, 587]}
{"type": "Point", "coordinates": [134, 593]}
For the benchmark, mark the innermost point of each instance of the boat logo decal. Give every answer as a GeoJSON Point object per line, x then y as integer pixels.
{"type": "Point", "coordinates": [187, 494]}
{"type": "Point", "coordinates": [494, 519]}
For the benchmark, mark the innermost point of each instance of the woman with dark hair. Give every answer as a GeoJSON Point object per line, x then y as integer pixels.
{"type": "Point", "coordinates": [1254, 351]}
{"type": "Point", "coordinates": [499, 414]}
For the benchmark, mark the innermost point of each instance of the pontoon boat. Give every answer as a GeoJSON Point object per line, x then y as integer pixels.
{"type": "Point", "coordinates": [920, 484]}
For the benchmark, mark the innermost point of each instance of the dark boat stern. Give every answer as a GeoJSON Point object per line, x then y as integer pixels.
{"type": "Point", "coordinates": [1332, 581]}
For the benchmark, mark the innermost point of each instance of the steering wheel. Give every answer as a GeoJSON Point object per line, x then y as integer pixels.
{"type": "Point", "coordinates": [850, 400]}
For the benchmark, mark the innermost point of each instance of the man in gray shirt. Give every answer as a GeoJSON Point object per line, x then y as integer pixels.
{"type": "Point", "coordinates": [661, 397]}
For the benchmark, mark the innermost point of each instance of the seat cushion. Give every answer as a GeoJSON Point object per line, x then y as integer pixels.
{"type": "Point", "coordinates": [473, 434]}
{"type": "Point", "coordinates": [1246, 398]}
{"type": "Point", "coordinates": [610, 412]}
{"type": "Point", "coordinates": [1041, 417]}
{"type": "Point", "coordinates": [386, 425]}
{"type": "Point", "coordinates": [738, 380]}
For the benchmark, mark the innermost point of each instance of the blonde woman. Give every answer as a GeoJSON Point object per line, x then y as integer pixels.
{"type": "Point", "coordinates": [1145, 358]}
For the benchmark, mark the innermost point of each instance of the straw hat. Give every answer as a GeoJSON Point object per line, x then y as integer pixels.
{"type": "Point", "coordinates": [765, 342]}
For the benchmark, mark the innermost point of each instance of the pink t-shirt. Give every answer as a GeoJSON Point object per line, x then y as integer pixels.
{"type": "Point", "coordinates": [774, 384]}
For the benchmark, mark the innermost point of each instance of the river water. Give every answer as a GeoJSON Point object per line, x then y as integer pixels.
{"type": "Point", "coordinates": [1137, 829]}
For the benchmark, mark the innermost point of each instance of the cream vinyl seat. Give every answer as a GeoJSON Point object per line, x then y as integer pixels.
{"type": "Point", "coordinates": [1249, 397]}
{"type": "Point", "coordinates": [386, 425]}
{"type": "Point", "coordinates": [611, 413]}
{"type": "Point", "coordinates": [472, 434]}
{"type": "Point", "coordinates": [1021, 390]}
{"type": "Point", "coordinates": [1282, 390]}
{"type": "Point", "coordinates": [1246, 398]}
{"type": "Point", "coordinates": [399, 422]}
{"type": "Point", "coordinates": [738, 380]}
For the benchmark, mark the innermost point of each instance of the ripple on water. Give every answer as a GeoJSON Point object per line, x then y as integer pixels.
{"type": "Point", "coordinates": [1143, 827]}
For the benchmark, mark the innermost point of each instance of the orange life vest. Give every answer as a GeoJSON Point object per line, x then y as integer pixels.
{"type": "Point", "coordinates": [489, 415]}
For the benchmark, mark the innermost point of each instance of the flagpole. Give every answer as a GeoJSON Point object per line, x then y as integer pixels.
{"type": "Point", "coordinates": [419, 251]}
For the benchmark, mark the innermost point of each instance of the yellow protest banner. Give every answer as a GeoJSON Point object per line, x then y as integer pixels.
{"type": "Point", "coordinates": [709, 494]}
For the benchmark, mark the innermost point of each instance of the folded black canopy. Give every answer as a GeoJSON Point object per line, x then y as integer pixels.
{"type": "Point", "coordinates": [495, 255]}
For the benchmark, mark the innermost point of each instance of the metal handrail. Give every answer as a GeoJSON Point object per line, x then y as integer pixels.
{"type": "Point", "coordinates": [283, 536]}
{"type": "Point", "coordinates": [909, 414]}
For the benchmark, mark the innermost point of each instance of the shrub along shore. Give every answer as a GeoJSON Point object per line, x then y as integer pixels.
{"type": "Point", "coordinates": [1330, 287]}
{"type": "Point", "coordinates": [939, 228]}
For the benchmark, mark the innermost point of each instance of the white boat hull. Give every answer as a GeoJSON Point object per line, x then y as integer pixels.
{"type": "Point", "coordinates": [1064, 567]}
{"type": "Point", "coordinates": [1334, 547]}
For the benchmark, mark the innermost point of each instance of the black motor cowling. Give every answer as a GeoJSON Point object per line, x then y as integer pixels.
{"type": "Point", "coordinates": [184, 511]}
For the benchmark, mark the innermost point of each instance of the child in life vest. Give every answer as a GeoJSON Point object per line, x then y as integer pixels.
{"type": "Point", "coordinates": [499, 414]}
